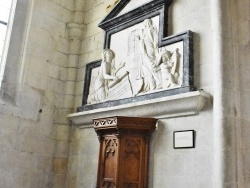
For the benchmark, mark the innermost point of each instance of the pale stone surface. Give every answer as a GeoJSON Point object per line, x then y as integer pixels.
{"type": "Point", "coordinates": [34, 129]}
{"type": "Point", "coordinates": [162, 141]}
{"type": "Point", "coordinates": [132, 5]}
{"type": "Point", "coordinates": [242, 45]}
{"type": "Point", "coordinates": [197, 16]}
{"type": "Point", "coordinates": [83, 160]}
{"type": "Point", "coordinates": [70, 87]}
{"type": "Point", "coordinates": [79, 87]}
{"type": "Point", "coordinates": [41, 74]}
{"type": "Point", "coordinates": [164, 161]}
{"type": "Point", "coordinates": [135, 53]}
{"type": "Point", "coordinates": [177, 105]}
{"type": "Point", "coordinates": [4, 16]}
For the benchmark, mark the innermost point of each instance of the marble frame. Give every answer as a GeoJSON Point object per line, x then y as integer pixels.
{"type": "Point", "coordinates": [89, 67]}
{"type": "Point", "coordinates": [113, 24]}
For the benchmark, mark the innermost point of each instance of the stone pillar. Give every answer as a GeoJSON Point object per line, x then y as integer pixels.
{"type": "Point", "coordinates": [75, 40]}
{"type": "Point", "coordinates": [223, 113]}
{"type": "Point", "coordinates": [63, 130]}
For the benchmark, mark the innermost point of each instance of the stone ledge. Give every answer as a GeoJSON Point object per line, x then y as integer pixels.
{"type": "Point", "coordinates": [184, 104]}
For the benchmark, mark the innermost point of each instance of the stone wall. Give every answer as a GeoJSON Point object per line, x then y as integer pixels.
{"type": "Point", "coordinates": [241, 47]}
{"type": "Point", "coordinates": [51, 43]}
{"type": "Point", "coordinates": [93, 40]}
{"type": "Point", "coordinates": [189, 167]}
{"type": "Point", "coordinates": [168, 166]}
{"type": "Point", "coordinates": [84, 145]}
{"type": "Point", "coordinates": [38, 93]}
{"type": "Point", "coordinates": [5, 11]}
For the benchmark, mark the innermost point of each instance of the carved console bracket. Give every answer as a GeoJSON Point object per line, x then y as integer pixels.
{"type": "Point", "coordinates": [184, 104]}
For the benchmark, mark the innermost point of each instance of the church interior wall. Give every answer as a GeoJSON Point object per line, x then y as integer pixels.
{"type": "Point", "coordinates": [43, 83]}
{"type": "Point", "coordinates": [240, 46]}
{"type": "Point", "coordinates": [167, 166]}
{"type": "Point", "coordinates": [37, 96]}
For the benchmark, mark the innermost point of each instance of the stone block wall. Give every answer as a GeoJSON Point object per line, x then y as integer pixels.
{"type": "Point", "coordinates": [84, 145]}
{"type": "Point", "coordinates": [93, 40]}
{"type": "Point", "coordinates": [51, 43]}
{"type": "Point", "coordinates": [38, 93]}
{"type": "Point", "coordinates": [83, 161]}
{"type": "Point", "coordinates": [26, 151]}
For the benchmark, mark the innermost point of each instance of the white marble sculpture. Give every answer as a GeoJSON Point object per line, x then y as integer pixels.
{"type": "Point", "coordinates": [111, 82]}
{"type": "Point", "coordinates": [142, 69]}
{"type": "Point", "coordinates": [168, 63]}
{"type": "Point", "coordinates": [104, 77]}
{"type": "Point", "coordinates": [148, 38]}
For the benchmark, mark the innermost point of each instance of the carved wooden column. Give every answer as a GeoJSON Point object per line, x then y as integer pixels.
{"type": "Point", "coordinates": [123, 155]}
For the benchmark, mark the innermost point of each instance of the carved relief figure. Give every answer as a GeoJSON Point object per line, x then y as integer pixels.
{"type": "Point", "coordinates": [168, 66]}
{"type": "Point", "coordinates": [147, 39]}
{"type": "Point", "coordinates": [145, 68]}
{"type": "Point", "coordinates": [103, 78]}
{"type": "Point", "coordinates": [120, 72]}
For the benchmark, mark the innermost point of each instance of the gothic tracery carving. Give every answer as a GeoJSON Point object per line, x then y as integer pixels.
{"type": "Point", "coordinates": [110, 147]}
{"type": "Point", "coordinates": [132, 148]}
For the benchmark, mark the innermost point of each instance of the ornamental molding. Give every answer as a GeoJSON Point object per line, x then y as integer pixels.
{"type": "Point", "coordinates": [179, 105]}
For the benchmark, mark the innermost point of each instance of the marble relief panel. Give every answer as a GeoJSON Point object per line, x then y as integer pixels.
{"type": "Point", "coordinates": [134, 65]}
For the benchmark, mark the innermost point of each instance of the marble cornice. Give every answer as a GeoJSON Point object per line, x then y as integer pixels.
{"type": "Point", "coordinates": [179, 105]}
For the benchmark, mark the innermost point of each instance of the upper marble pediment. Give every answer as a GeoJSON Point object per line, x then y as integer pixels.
{"type": "Point", "coordinates": [133, 4]}
{"type": "Point", "coordinates": [127, 9]}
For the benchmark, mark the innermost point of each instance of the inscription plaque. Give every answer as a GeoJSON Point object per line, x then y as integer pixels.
{"type": "Point", "coordinates": [184, 139]}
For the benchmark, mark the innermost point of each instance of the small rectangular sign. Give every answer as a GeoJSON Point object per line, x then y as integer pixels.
{"type": "Point", "coordinates": [184, 139]}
